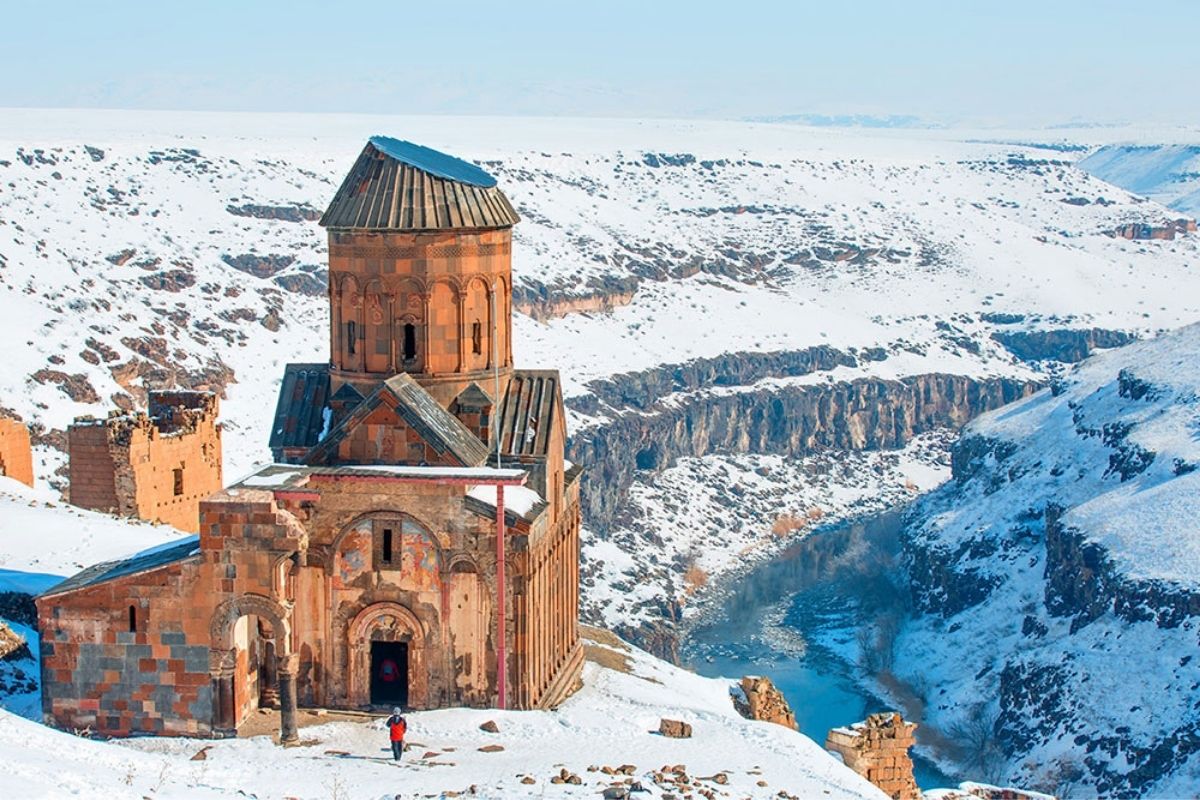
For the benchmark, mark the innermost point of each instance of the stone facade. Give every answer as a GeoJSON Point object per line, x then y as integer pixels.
{"type": "Point", "coordinates": [878, 749]}
{"type": "Point", "coordinates": [419, 302]}
{"type": "Point", "coordinates": [16, 457]}
{"type": "Point", "coordinates": [157, 466]}
{"type": "Point", "coordinates": [418, 544]}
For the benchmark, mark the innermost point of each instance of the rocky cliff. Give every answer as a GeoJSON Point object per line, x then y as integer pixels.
{"type": "Point", "coordinates": [1055, 583]}
{"type": "Point", "coordinates": [783, 418]}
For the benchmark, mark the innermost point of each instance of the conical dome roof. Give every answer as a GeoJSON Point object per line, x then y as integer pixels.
{"type": "Point", "coordinates": [400, 186]}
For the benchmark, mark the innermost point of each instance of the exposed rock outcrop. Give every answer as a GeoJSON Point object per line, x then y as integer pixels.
{"type": "Point", "coordinates": [1056, 567]}
{"type": "Point", "coordinates": [295, 212]}
{"type": "Point", "coordinates": [544, 302]}
{"type": "Point", "coordinates": [869, 413]}
{"type": "Point", "coordinates": [1066, 345]}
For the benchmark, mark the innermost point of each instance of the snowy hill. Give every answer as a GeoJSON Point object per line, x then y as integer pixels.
{"type": "Point", "coordinates": [1055, 580]}
{"type": "Point", "coordinates": [1167, 173]}
{"type": "Point", "coordinates": [747, 270]}
{"type": "Point", "coordinates": [610, 726]}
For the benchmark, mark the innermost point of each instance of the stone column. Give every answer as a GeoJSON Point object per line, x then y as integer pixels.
{"type": "Point", "coordinates": [225, 721]}
{"type": "Point", "coordinates": [287, 667]}
{"type": "Point", "coordinates": [269, 692]}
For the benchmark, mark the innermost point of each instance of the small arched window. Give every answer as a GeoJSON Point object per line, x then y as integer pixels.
{"type": "Point", "coordinates": [387, 546]}
{"type": "Point", "coordinates": [410, 341]}
{"type": "Point", "coordinates": [477, 337]}
{"type": "Point", "coordinates": [133, 619]}
{"type": "Point", "coordinates": [351, 336]}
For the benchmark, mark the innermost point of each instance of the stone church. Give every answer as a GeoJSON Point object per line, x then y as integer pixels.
{"type": "Point", "coordinates": [416, 541]}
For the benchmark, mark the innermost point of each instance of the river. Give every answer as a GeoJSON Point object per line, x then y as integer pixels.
{"type": "Point", "coordinates": [795, 618]}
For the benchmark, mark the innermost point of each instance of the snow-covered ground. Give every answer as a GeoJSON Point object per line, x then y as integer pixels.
{"type": "Point", "coordinates": [43, 539]}
{"type": "Point", "coordinates": [1168, 173]}
{"type": "Point", "coordinates": [1057, 574]}
{"type": "Point", "coordinates": [142, 248]}
{"type": "Point", "coordinates": [611, 723]}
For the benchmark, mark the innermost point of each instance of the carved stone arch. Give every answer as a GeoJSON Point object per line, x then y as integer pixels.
{"type": "Point", "coordinates": [227, 614]}
{"type": "Point", "coordinates": [451, 282]}
{"type": "Point", "coordinates": [357, 626]}
{"type": "Point", "coordinates": [407, 286]}
{"type": "Point", "coordinates": [370, 617]}
{"type": "Point", "coordinates": [462, 563]}
{"type": "Point", "coordinates": [223, 660]}
{"type": "Point", "coordinates": [481, 280]}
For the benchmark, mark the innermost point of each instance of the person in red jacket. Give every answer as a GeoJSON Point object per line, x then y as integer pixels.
{"type": "Point", "coordinates": [397, 727]}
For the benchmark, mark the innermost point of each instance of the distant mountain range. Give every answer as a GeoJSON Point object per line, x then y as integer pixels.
{"type": "Point", "coordinates": [850, 120]}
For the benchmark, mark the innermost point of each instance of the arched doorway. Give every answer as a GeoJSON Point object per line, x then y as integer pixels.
{"type": "Point", "coordinates": [386, 658]}
{"type": "Point", "coordinates": [250, 659]}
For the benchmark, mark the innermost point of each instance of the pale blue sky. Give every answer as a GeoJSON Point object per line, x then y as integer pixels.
{"type": "Point", "coordinates": [1015, 62]}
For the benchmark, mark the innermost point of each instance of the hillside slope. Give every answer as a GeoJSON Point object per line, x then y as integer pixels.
{"type": "Point", "coordinates": [1055, 580]}
{"type": "Point", "coordinates": [709, 290]}
{"type": "Point", "coordinates": [1168, 173]}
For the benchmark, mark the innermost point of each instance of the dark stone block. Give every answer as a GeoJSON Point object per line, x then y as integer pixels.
{"type": "Point", "coordinates": [196, 660]}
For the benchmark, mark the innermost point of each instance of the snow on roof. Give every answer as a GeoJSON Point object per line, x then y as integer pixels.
{"type": "Point", "coordinates": [288, 476]}
{"type": "Point", "coordinates": [480, 473]}
{"type": "Point", "coordinates": [433, 161]}
{"type": "Point", "coordinates": [151, 558]}
{"type": "Point", "coordinates": [517, 499]}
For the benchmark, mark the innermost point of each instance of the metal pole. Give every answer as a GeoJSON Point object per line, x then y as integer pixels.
{"type": "Point", "coordinates": [496, 375]}
{"type": "Point", "coordinates": [501, 650]}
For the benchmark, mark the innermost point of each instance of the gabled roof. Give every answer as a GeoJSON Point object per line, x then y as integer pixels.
{"type": "Point", "coordinates": [155, 557]}
{"type": "Point", "coordinates": [299, 414]}
{"type": "Point", "coordinates": [528, 412]}
{"type": "Point", "coordinates": [419, 410]}
{"type": "Point", "coordinates": [399, 186]}
{"type": "Point", "coordinates": [473, 397]}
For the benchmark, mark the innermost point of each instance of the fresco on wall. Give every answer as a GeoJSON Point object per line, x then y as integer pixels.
{"type": "Point", "coordinates": [418, 557]}
{"type": "Point", "coordinates": [354, 555]}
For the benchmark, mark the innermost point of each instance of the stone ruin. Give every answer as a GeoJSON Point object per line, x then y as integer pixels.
{"type": "Point", "coordinates": [16, 457]}
{"type": "Point", "coordinates": [157, 466]}
{"type": "Point", "coordinates": [877, 749]}
{"type": "Point", "coordinates": [762, 701]}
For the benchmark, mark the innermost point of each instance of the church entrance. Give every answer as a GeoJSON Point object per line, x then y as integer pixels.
{"type": "Point", "coordinates": [389, 673]}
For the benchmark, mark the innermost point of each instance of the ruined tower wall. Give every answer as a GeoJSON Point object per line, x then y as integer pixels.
{"type": "Point", "coordinates": [878, 749]}
{"type": "Point", "coordinates": [156, 467]}
{"type": "Point", "coordinates": [16, 458]}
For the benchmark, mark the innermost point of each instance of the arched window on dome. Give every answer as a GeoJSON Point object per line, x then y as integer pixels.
{"type": "Point", "coordinates": [410, 341]}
